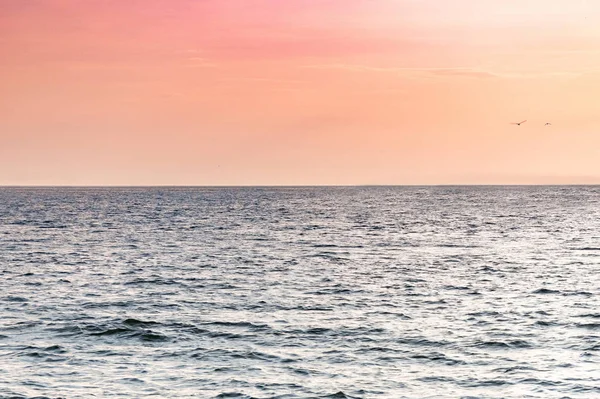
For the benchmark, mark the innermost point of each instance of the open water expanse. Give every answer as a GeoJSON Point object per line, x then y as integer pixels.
{"type": "Point", "coordinates": [348, 292]}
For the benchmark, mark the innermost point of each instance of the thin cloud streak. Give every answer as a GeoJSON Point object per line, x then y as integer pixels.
{"type": "Point", "coordinates": [458, 71]}
{"type": "Point", "coordinates": [470, 72]}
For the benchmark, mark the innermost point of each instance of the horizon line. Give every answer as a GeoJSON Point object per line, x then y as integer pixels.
{"type": "Point", "coordinates": [2, 186]}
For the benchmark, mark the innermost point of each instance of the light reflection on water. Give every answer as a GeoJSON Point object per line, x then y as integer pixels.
{"type": "Point", "coordinates": [373, 292]}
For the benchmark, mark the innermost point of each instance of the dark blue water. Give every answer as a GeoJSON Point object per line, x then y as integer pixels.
{"type": "Point", "coordinates": [389, 292]}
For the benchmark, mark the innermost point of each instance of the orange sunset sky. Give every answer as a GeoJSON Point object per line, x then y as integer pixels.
{"type": "Point", "coordinates": [245, 92]}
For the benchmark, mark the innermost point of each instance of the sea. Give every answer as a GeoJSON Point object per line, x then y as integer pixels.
{"type": "Point", "coordinates": [300, 292]}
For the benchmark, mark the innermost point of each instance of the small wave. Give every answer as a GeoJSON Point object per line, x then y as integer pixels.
{"type": "Point", "coordinates": [330, 256]}
{"type": "Point", "coordinates": [55, 349]}
{"type": "Point", "coordinates": [435, 378]}
{"type": "Point", "coordinates": [120, 304]}
{"type": "Point", "coordinates": [394, 314]}
{"type": "Point", "coordinates": [590, 315]}
{"type": "Point", "coordinates": [305, 372]}
{"type": "Point", "coordinates": [125, 332]}
{"type": "Point", "coordinates": [237, 395]}
{"type": "Point", "coordinates": [336, 291]}
{"type": "Point", "coordinates": [436, 302]}
{"type": "Point", "coordinates": [225, 335]}
{"type": "Point", "coordinates": [312, 308]}
{"type": "Point", "coordinates": [437, 358]}
{"type": "Point", "coordinates": [585, 389]}
{"type": "Point", "coordinates": [456, 246]}
{"type": "Point", "coordinates": [577, 293]}
{"type": "Point", "coordinates": [48, 354]}
{"type": "Point", "coordinates": [112, 331]}
{"type": "Point", "coordinates": [381, 349]}
{"type": "Point", "coordinates": [545, 291]}
{"type": "Point", "coordinates": [338, 395]}
{"type": "Point", "coordinates": [588, 326]}
{"type": "Point", "coordinates": [318, 331]}
{"type": "Point", "coordinates": [514, 369]}
{"type": "Point", "coordinates": [57, 226]}
{"type": "Point", "coordinates": [542, 312]}
{"type": "Point", "coordinates": [516, 344]}
{"type": "Point", "coordinates": [484, 313]}
{"type": "Point", "coordinates": [227, 395]}
{"type": "Point", "coordinates": [415, 280]}
{"type": "Point", "coordinates": [544, 323]}
{"type": "Point", "coordinates": [156, 281]}
{"type": "Point", "coordinates": [242, 324]}
{"type": "Point", "coordinates": [22, 325]}
{"type": "Point", "coordinates": [67, 330]}
{"type": "Point", "coordinates": [15, 299]}
{"type": "Point", "coordinates": [222, 354]}
{"type": "Point", "coordinates": [254, 355]}
{"type": "Point", "coordinates": [422, 342]}
{"type": "Point", "coordinates": [150, 336]}
{"type": "Point", "coordinates": [138, 323]}
{"type": "Point", "coordinates": [474, 383]}
{"type": "Point", "coordinates": [456, 287]}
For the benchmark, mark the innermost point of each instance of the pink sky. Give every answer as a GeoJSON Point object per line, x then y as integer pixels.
{"type": "Point", "coordinates": [242, 92]}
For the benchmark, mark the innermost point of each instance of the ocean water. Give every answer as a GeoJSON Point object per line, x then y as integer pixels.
{"type": "Point", "coordinates": [349, 292]}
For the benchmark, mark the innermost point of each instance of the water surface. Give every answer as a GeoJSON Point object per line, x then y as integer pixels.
{"type": "Point", "coordinates": [356, 292]}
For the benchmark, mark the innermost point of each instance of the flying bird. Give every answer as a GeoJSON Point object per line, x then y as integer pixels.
{"type": "Point", "coordinates": [547, 124]}
{"type": "Point", "coordinates": [518, 123]}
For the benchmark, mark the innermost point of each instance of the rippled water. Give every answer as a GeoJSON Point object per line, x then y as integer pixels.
{"type": "Point", "coordinates": [374, 292]}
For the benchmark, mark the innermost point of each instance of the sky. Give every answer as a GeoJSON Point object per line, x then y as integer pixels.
{"type": "Point", "coordinates": [299, 92]}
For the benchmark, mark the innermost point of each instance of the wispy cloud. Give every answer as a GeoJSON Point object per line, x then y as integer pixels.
{"type": "Point", "coordinates": [456, 71]}
{"type": "Point", "coordinates": [352, 67]}
{"type": "Point", "coordinates": [266, 80]}
{"type": "Point", "coordinates": [466, 72]}
{"type": "Point", "coordinates": [199, 62]}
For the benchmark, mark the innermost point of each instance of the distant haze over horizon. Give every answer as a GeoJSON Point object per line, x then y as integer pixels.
{"type": "Point", "coordinates": [565, 181]}
{"type": "Point", "coordinates": [297, 92]}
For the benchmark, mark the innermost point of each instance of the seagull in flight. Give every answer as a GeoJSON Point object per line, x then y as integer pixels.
{"type": "Point", "coordinates": [518, 123]}
{"type": "Point", "coordinates": [547, 124]}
